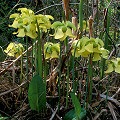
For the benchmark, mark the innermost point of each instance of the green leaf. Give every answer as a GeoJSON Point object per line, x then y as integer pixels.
{"type": "Point", "coordinates": [76, 104]}
{"type": "Point", "coordinates": [70, 115]}
{"type": "Point", "coordinates": [37, 94]}
{"type": "Point", "coordinates": [82, 114]}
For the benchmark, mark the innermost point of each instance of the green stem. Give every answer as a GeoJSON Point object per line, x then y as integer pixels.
{"type": "Point", "coordinates": [21, 76]}
{"type": "Point", "coordinates": [67, 72]}
{"type": "Point", "coordinates": [59, 76]}
{"type": "Point", "coordinates": [39, 53]}
{"type": "Point", "coordinates": [45, 72]}
{"type": "Point", "coordinates": [35, 57]}
{"type": "Point", "coordinates": [89, 83]}
{"type": "Point", "coordinates": [90, 79]}
{"type": "Point", "coordinates": [27, 57]}
{"type": "Point", "coordinates": [21, 69]}
{"type": "Point", "coordinates": [106, 41]}
{"type": "Point", "coordinates": [73, 66]}
{"type": "Point", "coordinates": [32, 58]}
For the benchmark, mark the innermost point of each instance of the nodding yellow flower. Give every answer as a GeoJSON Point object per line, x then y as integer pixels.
{"type": "Point", "coordinates": [14, 49]}
{"type": "Point", "coordinates": [62, 30]}
{"type": "Point", "coordinates": [26, 23]}
{"type": "Point", "coordinates": [85, 47]}
{"type": "Point", "coordinates": [113, 65]}
{"type": "Point", "coordinates": [51, 50]}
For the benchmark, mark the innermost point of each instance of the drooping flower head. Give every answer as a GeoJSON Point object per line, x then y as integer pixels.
{"type": "Point", "coordinates": [51, 50]}
{"type": "Point", "coordinates": [62, 30]}
{"type": "Point", "coordinates": [14, 49]}
{"type": "Point", "coordinates": [113, 65]}
{"type": "Point", "coordinates": [85, 47]}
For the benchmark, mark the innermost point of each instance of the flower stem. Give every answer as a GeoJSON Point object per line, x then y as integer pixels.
{"type": "Point", "coordinates": [59, 76]}
{"type": "Point", "coordinates": [39, 53]}
{"type": "Point", "coordinates": [32, 58]}
{"type": "Point", "coordinates": [27, 58]}
{"type": "Point", "coordinates": [67, 72]}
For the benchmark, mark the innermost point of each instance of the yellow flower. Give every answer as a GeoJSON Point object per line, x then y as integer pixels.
{"type": "Point", "coordinates": [86, 46]}
{"type": "Point", "coordinates": [14, 49]}
{"type": "Point", "coordinates": [113, 65]}
{"type": "Point", "coordinates": [26, 23]}
{"type": "Point", "coordinates": [51, 50]}
{"type": "Point", "coordinates": [62, 30]}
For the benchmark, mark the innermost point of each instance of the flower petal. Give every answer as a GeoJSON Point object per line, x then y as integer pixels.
{"type": "Point", "coordinates": [117, 69]}
{"type": "Point", "coordinates": [96, 57]}
{"type": "Point", "coordinates": [21, 33]}
{"type": "Point", "coordinates": [89, 48]}
{"type": "Point", "coordinates": [110, 68]}
{"type": "Point", "coordinates": [54, 54]}
{"type": "Point", "coordinates": [59, 34]}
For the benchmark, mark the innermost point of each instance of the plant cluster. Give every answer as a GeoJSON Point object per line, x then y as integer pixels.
{"type": "Point", "coordinates": [29, 24]}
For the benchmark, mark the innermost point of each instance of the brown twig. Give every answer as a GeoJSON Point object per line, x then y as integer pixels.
{"type": "Point", "coordinates": [90, 26]}
{"type": "Point", "coordinates": [6, 92]}
{"type": "Point", "coordinates": [53, 111]}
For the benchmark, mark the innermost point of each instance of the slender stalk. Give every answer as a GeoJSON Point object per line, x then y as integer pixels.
{"type": "Point", "coordinates": [21, 75]}
{"type": "Point", "coordinates": [59, 76]}
{"type": "Point", "coordinates": [73, 66]}
{"type": "Point", "coordinates": [45, 72]}
{"type": "Point", "coordinates": [35, 57]}
{"type": "Point", "coordinates": [81, 15]}
{"type": "Point", "coordinates": [90, 80]}
{"type": "Point", "coordinates": [27, 57]}
{"type": "Point", "coordinates": [106, 41]}
{"type": "Point", "coordinates": [32, 58]}
{"type": "Point", "coordinates": [88, 93]}
{"type": "Point", "coordinates": [87, 84]}
{"type": "Point", "coordinates": [45, 65]}
{"type": "Point", "coordinates": [107, 92]}
{"type": "Point", "coordinates": [39, 53]}
{"type": "Point", "coordinates": [67, 72]}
